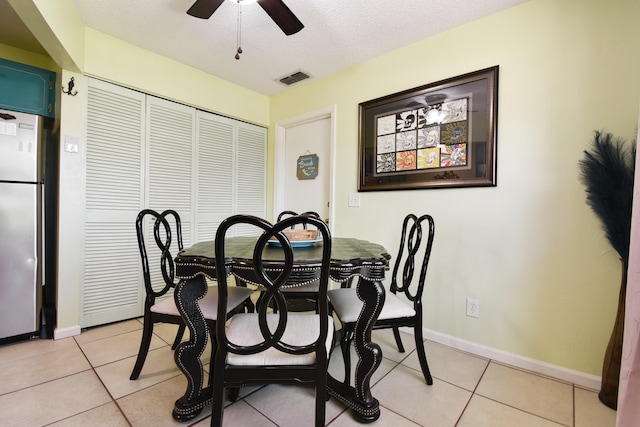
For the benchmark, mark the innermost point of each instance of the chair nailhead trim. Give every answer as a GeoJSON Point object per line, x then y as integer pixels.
{"type": "Point", "coordinates": [367, 412]}
{"type": "Point", "coordinates": [369, 325]}
{"type": "Point", "coordinates": [339, 269]}
{"type": "Point", "coordinates": [192, 409]}
{"type": "Point", "coordinates": [189, 344]}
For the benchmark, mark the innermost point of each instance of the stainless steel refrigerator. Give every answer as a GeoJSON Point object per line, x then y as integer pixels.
{"type": "Point", "coordinates": [21, 223]}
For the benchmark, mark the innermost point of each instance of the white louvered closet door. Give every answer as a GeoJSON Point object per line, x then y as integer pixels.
{"type": "Point", "coordinates": [215, 170]}
{"type": "Point", "coordinates": [170, 174]}
{"type": "Point", "coordinates": [170, 156]}
{"type": "Point", "coordinates": [146, 152]}
{"type": "Point", "coordinates": [231, 174]}
{"type": "Point", "coordinates": [251, 172]}
{"type": "Point", "coordinates": [114, 195]}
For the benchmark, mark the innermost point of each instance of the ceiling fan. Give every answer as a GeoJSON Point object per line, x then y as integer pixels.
{"type": "Point", "coordinates": [276, 9]}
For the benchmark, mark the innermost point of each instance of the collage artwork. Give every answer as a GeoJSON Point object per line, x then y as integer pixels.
{"type": "Point", "coordinates": [423, 138]}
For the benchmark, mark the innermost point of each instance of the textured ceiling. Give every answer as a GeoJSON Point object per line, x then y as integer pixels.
{"type": "Point", "coordinates": [338, 34]}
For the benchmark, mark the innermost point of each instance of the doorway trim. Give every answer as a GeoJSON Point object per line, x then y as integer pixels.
{"type": "Point", "coordinates": [279, 156]}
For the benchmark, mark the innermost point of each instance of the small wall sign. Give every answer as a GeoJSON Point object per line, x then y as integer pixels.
{"type": "Point", "coordinates": [307, 167]}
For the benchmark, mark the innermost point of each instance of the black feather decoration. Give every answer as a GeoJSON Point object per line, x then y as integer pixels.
{"type": "Point", "coordinates": [607, 171]}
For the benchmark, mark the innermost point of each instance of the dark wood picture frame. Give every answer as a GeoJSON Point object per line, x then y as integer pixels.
{"type": "Point", "coordinates": [439, 135]}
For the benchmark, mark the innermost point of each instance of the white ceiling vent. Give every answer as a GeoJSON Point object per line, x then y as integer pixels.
{"type": "Point", "coordinates": [294, 78]}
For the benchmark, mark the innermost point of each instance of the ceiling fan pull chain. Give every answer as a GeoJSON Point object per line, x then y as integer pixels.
{"type": "Point", "coordinates": [239, 38]}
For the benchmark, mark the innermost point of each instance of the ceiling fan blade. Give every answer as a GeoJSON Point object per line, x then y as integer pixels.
{"type": "Point", "coordinates": [282, 16]}
{"type": "Point", "coordinates": [204, 8]}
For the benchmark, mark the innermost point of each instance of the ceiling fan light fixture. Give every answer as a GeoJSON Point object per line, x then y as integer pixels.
{"type": "Point", "coordinates": [276, 9]}
{"type": "Point", "coordinates": [435, 115]}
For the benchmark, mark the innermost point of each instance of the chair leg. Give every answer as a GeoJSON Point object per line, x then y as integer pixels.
{"type": "Point", "coordinates": [348, 283]}
{"type": "Point", "coordinates": [248, 305]}
{"type": "Point", "coordinates": [214, 346]}
{"type": "Point", "coordinates": [217, 393]}
{"type": "Point", "coordinates": [217, 410]}
{"type": "Point", "coordinates": [422, 357]}
{"type": "Point", "coordinates": [233, 393]}
{"type": "Point", "coordinates": [345, 346]}
{"type": "Point", "coordinates": [179, 336]}
{"type": "Point", "coordinates": [147, 332]}
{"type": "Point", "coordinates": [396, 335]}
{"type": "Point", "coordinates": [321, 402]}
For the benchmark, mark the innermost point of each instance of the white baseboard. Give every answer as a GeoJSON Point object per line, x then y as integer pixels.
{"type": "Point", "coordinates": [578, 378]}
{"type": "Point", "coordinates": [72, 331]}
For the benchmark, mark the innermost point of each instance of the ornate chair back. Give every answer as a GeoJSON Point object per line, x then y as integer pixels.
{"type": "Point", "coordinates": [265, 347]}
{"type": "Point", "coordinates": [404, 267]}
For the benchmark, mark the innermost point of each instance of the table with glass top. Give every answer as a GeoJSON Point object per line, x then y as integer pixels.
{"type": "Point", "coordinates": [350, 258]}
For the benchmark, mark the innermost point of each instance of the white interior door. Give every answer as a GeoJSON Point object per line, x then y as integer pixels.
{"type": "Point", "coordinates": [312, 133]}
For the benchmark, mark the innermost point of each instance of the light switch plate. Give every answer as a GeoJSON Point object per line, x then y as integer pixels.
{"type": "Point", "coordinates": [71, 144]}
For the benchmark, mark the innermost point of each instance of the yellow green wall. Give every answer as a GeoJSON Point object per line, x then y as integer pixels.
{"type": "Point", "coordinates": [529, 249]}
{"type": "Point", "coordinates": [29, 58]}
{"type": "Point", "coordinates": [157, 75]}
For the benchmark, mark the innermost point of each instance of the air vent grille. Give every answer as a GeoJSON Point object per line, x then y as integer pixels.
{"type": "Point", "coordinates": [294, 78]}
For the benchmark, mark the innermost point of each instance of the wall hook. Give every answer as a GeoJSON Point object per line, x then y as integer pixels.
{"type": "Point", "coordinates": [70, 91]}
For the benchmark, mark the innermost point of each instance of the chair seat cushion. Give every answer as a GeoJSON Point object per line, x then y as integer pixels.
{"type": "Point", "coordinates": [208, 304]}
{"type": "Point", "coordinates": [301, 329]}
{"type": "Point", "coordinates": [347, 305]}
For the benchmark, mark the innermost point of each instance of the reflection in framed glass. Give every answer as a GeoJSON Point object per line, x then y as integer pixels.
{"type": "Point", "coordinates": [439, 135]}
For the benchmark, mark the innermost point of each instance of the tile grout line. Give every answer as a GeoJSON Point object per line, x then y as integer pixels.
{"type": "Point", "coordinates": [93, 368]}
{"type": "Point", "coordinates": [473, 393]}
{"type": "Point", "coordinates": [395, 364]}
{"type": "Point", "coordinates": [520, 409]}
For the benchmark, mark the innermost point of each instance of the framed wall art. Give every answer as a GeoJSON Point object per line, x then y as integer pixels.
{"type": "Point", "coordinates": [439, 135]}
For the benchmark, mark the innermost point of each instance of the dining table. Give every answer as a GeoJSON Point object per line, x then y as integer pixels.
{"type": "Point", "coordinates": [350, 259]}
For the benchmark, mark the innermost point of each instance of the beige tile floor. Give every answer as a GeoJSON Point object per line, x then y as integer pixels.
{"type": "Point", "coordinates": [84, 381]}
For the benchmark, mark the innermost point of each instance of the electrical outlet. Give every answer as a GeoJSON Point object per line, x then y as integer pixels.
{"type": "Point", "coordinates": [473, 307]}
{"type": "Point", "coordinates": [354, 200]}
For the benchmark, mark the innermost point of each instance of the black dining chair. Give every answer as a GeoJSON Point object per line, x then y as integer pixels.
{"type": "Point", "coordinates": [266, 347]}
{"type": "Point", "coordinates": [395, 312]}
{"type": "Point", "coordinates": [159, 306]}
{"type": "Point", "coordinates": [302, 298]}
{"type": "Point", "coordinates": [286, 214]}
